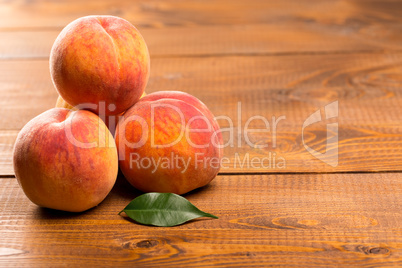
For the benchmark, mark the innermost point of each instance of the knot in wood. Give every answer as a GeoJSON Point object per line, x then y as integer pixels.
{"type": "Point", "coordinates": [378, 250]}
{"type": "Point", "coordinates": [147, 243]}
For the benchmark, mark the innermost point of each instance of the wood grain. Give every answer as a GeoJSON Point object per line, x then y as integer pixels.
{"type": "Point", "coordinates": [272, 85]}
{"type": "Point", "coordinates": [366, 85]}
{"type": "Point", "coordinates": [274, 39]}
{"type": "Point", "coordinates": [214, 27]}
{"type": "Point", "coordinates": [301, 220]}
{"type": "Point", "coordinates": [355, 14]}
{"type": "Point", "coordinates": [264, 58]}
{"type": "Point", "coordinates": [7, 139]}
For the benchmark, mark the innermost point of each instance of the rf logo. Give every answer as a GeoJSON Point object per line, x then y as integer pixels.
{"type": "Point", "coordinates": [330, 156]}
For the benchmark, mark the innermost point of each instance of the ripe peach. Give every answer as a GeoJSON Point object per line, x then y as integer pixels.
{"type": "Point", "coordinates": [169, 142]}
{"type": "Point", "coordinates": [110, 121]}
{"type": "Point", "coordinates": [100, 60]}
{"type": "Point", "coordinates": [61, 103]}
{"type": "Point", "coordinates": [66, 160]}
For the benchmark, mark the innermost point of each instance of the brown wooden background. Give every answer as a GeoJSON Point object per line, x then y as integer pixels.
{"type": "Point", "coordinates": [277, 58]}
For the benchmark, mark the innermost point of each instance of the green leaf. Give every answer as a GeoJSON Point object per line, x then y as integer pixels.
{"type": "Point", "coordinates": [163, 209]}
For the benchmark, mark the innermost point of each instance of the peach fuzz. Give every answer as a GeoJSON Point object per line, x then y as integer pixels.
{"type": "Point", "coordinates": [66, 160]}
{"type": "Point", "coordinates": [100, 59]}
{"type": "Point", "coordinates": [169, 142]}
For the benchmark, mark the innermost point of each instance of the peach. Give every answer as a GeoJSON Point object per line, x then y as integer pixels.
{"type": "Point", "coordinates": [110, 121]}
{"type": "Point", "coordinates": [169, 141]}
{"type": "Point", "coordinates": [66, 160]}
{"type": "Point", "coordinates": [100, 61]}
{"type": "Point", "coordinates": [61, 103]}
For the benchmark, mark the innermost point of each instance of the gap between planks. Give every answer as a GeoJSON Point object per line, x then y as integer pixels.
{"type": "Point", "coordinates": [245, 54]}
{"type": "Point", "coordinates": [281, 173]}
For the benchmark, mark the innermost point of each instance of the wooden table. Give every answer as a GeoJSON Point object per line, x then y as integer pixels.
{"type": "Point", "coordinates": [335, 199]}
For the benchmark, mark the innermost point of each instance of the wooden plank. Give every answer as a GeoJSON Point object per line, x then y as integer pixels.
{"type": "Point", "coordinates": [355, 14]}
{"type": "Point", "coordinates": [7, 140]}
{"type": "Point", "coordinates": [269, 85]}
{"type": "Point", "coordinates": [289, 37]}
{"type": "Point", "coordinates": [361, 148]}
{"type": "Point", "coordinates": [318, 220]}
{"type": "Point", "coordinates": [214, 27]}
{"type": "Point", "coordinates": [367, 87]}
